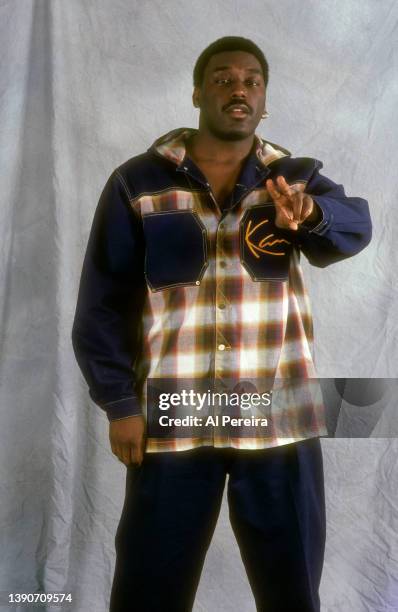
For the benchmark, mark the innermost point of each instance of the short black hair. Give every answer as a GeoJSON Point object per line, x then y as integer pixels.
{"type": "Point", "coordinates": [228, 43]}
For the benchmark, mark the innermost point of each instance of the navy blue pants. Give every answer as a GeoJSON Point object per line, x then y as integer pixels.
{"type": "Point", "coordinates": [277, 512]}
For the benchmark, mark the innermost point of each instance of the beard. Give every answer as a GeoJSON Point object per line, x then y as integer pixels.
{"type": "Point", "coordinates": [227, 133]}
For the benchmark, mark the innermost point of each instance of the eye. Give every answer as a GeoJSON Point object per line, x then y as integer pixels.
{"type": "Point", "coordinates": [253, 83]}
{"type": "Point", "coordinates": [223, 81]}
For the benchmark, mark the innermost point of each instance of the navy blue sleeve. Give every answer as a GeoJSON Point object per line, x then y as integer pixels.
{"type": "Point", "coordinates": [345, 227]}
{"type": "Point", "coordinates": [107, 323]}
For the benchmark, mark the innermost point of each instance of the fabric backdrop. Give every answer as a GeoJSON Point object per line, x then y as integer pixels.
{"type": "Point", "coordinates": [86, 84]}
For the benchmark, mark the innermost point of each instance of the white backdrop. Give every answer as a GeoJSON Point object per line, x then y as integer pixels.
{"type": "Point", "coordinates": [86, 84]}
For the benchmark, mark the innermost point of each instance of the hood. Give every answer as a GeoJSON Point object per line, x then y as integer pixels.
{"type": "Point", "coordinates": [172, 147]}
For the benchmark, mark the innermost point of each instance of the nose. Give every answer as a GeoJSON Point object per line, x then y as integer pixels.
{"type": "Point", "coordinates": [238, 90]}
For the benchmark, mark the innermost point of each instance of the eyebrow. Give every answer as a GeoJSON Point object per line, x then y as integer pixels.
{"type": "Point", "coordinates": [220, 68]}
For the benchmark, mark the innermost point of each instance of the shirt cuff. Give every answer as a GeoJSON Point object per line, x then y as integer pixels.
{"type": "Point", "coordinates": [123, 408]}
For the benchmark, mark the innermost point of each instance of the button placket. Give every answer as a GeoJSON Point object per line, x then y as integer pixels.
{"type": "Point", "coordinates": [221, 314]}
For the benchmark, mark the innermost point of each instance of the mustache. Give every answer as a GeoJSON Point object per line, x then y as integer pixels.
{"type": "Point", "coordinates": [240, 103]}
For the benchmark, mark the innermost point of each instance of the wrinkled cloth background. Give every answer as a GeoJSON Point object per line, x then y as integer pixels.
{"type": "Point", "coordinates": [86, 85]}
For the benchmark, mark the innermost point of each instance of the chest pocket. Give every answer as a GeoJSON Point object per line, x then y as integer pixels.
{"type": "Point", "coordinates": [176, 249]}
{"type": "Point", "coordinates": [265, 249]}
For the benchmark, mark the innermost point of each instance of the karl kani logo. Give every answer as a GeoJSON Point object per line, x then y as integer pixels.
{"type": "Point", "coordinates": [266, 241]}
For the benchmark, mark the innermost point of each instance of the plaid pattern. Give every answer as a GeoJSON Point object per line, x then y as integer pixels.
{"type": "Point", "coordinates": [225, 325]}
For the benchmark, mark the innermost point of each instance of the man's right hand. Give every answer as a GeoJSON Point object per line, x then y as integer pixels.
{"type": "Point", "coordinates": [127, 438]}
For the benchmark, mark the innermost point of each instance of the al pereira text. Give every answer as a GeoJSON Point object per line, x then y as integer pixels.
{"type": "Point", "coordinates": [212, 421]}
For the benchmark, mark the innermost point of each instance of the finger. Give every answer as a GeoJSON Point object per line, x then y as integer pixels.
{"type": "Point", "coordinates": [136, 454]}
{"type": "Point", "coordinates": [118, 455]}
{"type": "Point", "coordinates": [124, 454]}
{"type": "Point", "coordinates": [272, 190]}
{"type": "Point", "coordinates": [138, 457]}
{"type": "Point", "coordinates": [132, 456]}
{"type": "Point", "coordinates": [283, 186]}
{"type": "Point", "coordinates": [297, 202]}
{"type": "Point", "coordinates": [286, 214]}
{"type": "Point", "coordinates": [116, 451]}
{"type": "Point", "coordinates": [308, 206]}
{"type": "Point", "coordinates": [288, 224]}
{"type": "Point", "coordinates": [284, 219]}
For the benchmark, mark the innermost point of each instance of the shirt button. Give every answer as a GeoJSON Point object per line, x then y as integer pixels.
{"type": "Point", "coordinates": [222, 306]}
{"type": "Point", "coordinates": [221, 347]}
{"type": "Point", "coordinates": [223, 264]}
{"type": "Point", "coordinates": [197, 283]}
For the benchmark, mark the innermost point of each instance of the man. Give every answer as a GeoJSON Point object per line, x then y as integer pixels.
{"type": "Point", "coordinates": [192, 274]}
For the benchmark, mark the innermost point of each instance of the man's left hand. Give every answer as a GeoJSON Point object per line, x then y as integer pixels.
{"type": "Point", "coordinates": [293, 206]}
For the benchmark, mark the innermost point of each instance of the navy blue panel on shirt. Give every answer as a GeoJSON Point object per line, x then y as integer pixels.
{"type": "Point", "coordinates": [176, 248]}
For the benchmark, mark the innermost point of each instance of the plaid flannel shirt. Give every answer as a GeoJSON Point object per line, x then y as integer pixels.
{"type": "Point", "coordinates": [176, 289]}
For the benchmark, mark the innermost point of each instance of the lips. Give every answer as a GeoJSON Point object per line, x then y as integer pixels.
{"type": "Point", "coordinates": [237, 110]}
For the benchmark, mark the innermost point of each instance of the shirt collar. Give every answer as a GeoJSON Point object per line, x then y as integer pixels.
{"type": "Point", "coordinates": [172, 147]}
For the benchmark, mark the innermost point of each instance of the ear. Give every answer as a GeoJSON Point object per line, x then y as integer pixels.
{"type": "Point", "coordinates": [196, 97]}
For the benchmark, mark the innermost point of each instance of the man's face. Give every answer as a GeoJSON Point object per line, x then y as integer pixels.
{"type": "Point", "coordinates": [232, 95]}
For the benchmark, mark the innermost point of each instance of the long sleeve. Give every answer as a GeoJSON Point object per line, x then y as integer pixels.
{"type": "Point", "coordinates": [106, 328]}
{"type": "Point", "coordinates": [345, 228]}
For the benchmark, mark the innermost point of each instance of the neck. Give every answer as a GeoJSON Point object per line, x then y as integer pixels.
{"type": "Point", "coordinates": [204, 146]}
